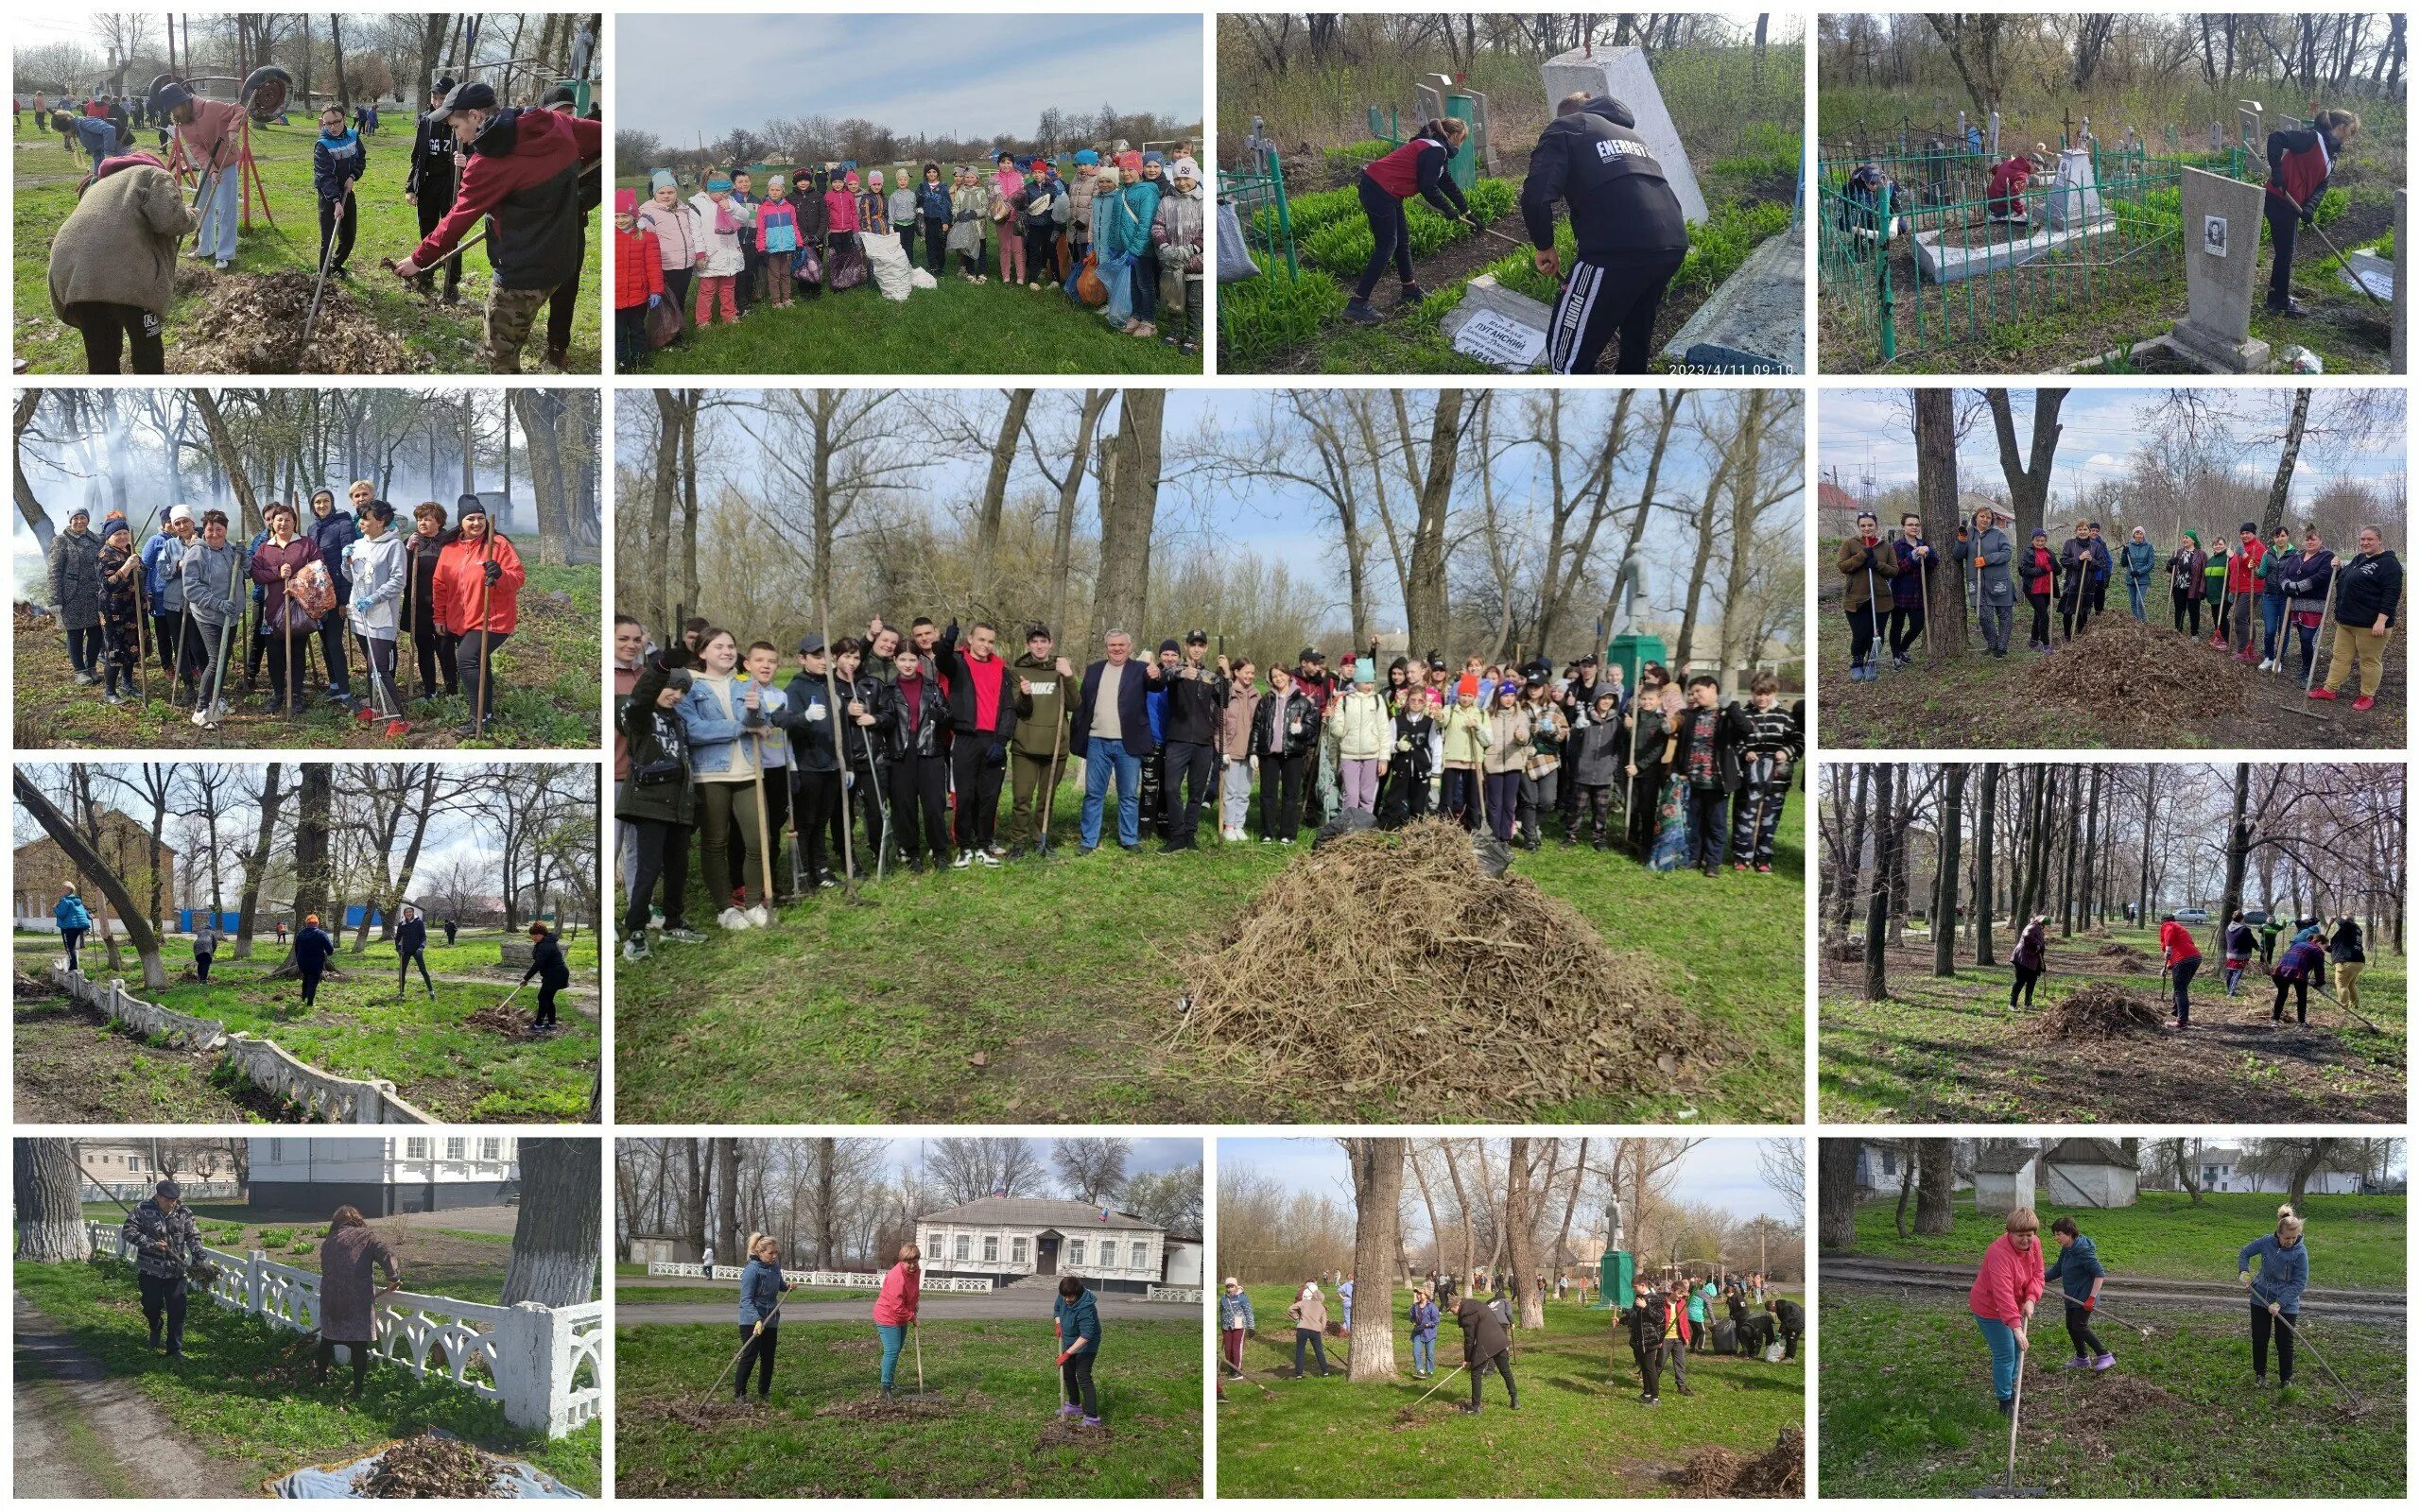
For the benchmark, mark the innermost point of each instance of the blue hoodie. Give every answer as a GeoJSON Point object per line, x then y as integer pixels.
{"type": "Point", "coordinates": [760, 1291]}
{"type": "Point", "coordinates": [70, 913]}
{"type": "Point", "coordinates": [2284, 1272]}
{"type": "Point", "coordinates": [336, 160]}
{"type": "Point", "coordinates": [1078, 1320]}
{"type": "Point", "coordinates": [2076, 1269]}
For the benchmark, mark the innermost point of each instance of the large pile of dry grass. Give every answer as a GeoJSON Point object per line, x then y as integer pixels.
{"type": "Point", "coordinates": [1780, 1470]}
{"type": "Point", "coordinates": [2125, 958]}
{"type": "Point", "coordinates": [1391, 965]}
{"type": "Point", "coordinates": [428, 1466]}
{"type": "Point", "coordinates": [253, 324]}
{"type": "Point", "coordinates": [2099, 1010]}
{"type": "Point", "coordinates": [2127, 675]}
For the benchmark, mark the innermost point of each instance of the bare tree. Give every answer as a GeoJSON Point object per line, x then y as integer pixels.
{"type": "Point", "coordinates": [49, 1198]}
{"type": "Point", "coordinates": [558, 1233]}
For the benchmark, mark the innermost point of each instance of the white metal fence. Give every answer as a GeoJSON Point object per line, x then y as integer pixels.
{"type": "Point", "coordinates": [819, 1278]}
{"type": "Point", "coordinates": [548, 1366]}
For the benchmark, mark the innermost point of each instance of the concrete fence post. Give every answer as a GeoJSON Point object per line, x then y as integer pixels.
{"type": "Point", "coordinates": [525, 1354]}
{"type": "Point", "coordinates": [255, 1280]}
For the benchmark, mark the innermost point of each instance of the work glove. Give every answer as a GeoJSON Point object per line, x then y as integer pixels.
{"type": "Point", "coordinates": [2244, 1277]}
{"type": "Point", "coordinates": [2311, 219]}
{"type": "Point", "coordinates": [653, 300]}
{"type": "Point", "coordinates": [2273, 1309]}
{"type": "Point", "coordinates": [2088, 1303]}
{"type": "Point", "coordinates": [493, 571]}
{"type": "Point", "coordinates": [1063, 1355]}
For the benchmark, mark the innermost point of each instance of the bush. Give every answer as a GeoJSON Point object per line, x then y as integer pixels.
{"type": "Point", "coordinates": [275, 1238]}
{"type": "Point", "coordinates": [1264, 315]}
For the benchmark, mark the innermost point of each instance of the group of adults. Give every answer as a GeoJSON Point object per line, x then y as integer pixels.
{"type": "Point", "coordinates": [2307, 958]}
{"type": "Point", "coordinates": [344, 579]}
{"type": "Point", "coordinates": [529, 175]}
{"type": "Point", "coordinates": [1628, 235]}
{"type": "Point", "coordinates": [1075, 1315]}
{"type": "Point", "coordinates": [2273, 1268]}
{"type": "Point", "coordinates": [2265, 598]}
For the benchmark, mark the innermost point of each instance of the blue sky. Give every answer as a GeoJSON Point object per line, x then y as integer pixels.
{"type": "Point", "coordinates": [2100, 430]}
{"type": "Point", "coordinates": [1146, 1154]}
{"type": "Point", "coordinates": [960, 77]}
{"type": "Point", "coordinates": [1722, 1173]}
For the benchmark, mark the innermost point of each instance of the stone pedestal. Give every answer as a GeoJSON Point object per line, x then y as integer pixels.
{"type": "Point", "coordinates": [2221, 241]}
{"type": "Point", "coordinates": [2074, 199]}
{"type": "Point", "coordinates": [1622, 72]}
{"type": "Point", "coordinates": [1505, 329]}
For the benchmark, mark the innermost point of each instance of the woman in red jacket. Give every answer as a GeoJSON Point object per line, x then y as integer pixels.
{"type": "Point", "coordinates": [2299, 165]}
{"type": "Point", "coordinates": [2182, 957]}
{"type": "Point", "coordinates": [1417, 167]}
{"type": "Point", "coordinates": [477, 588]}
{"type": "Point", "coordinates": [285, 624]}
{"type": "Point", "coordinates": [2039, 570]}
{"type": "Point", "coordinates": [895, 1308]}
{"type": "Point", "coordinates": [2006, 1287]}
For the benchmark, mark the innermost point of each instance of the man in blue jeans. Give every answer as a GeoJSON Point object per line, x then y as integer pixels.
{"type": "Point", "coordinates": [1114, 733]}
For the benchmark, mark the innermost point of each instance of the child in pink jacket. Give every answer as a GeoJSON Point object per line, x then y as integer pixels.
{"type": "Point", "coordinates": [2003, 1296]}
{"type": "Point", "coordinates": [895, 1308]}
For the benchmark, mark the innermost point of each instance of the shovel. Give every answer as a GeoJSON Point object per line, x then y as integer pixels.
{"type": "Point", "coordinates": [2016, 1409]}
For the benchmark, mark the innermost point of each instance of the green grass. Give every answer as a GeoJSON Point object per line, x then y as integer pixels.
{"type": "Point", "coordinates": [958, 326]}
{"type": "Point", "coordinates": [463, 1264]}
{"type": "Point", "coordinates": [2356, 1242]}
{"type": "Point", "coordinates": [546, 692]}
{"type": "Point", "coordinates": [998, 1383]}
{"type": "Point", "coordinates": [1581, 1430]}
{"type": "Point", "coordinates": [359, 1029]}
{"type": "Point", "coordinates": [228, 1398]}
{"type": "Point", "coordinates": [437, 340]}
{"type": "Point", "coordinates": [729, 1292]}
{"type": "Point", "coordinates": [1078, 1027]}
{"type": "Point", "coordinates": [1908, 1409]}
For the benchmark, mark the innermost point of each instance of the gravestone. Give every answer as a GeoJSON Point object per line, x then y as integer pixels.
{"type": "Point", "coordinates": [2247, 123]}
{"type": "Point", "coordinates": [1502, 328]}
{"type": "Point", "coordinates": [2221, 238]}
{"type": "Point", "coordinates": [2402, 318]}
{"type": "Point", "coordinates": [1622, 74]}
{"type": "Point", "coordinates": [2074, 201]}
{"type": "Point", "coordinates": [1756, 322]}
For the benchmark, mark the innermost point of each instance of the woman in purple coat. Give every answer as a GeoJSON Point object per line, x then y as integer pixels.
{"type": "Point", "coordinates": [348, 1302]}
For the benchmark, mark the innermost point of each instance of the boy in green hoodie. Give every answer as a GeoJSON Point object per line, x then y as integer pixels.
{"type": "Point", "coordinates": [2079, 1273]}
{"type": "Point", "coordinates": [1037, 750]}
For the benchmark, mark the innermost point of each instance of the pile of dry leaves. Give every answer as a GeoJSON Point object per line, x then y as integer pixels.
{"type": "Point", "coordinates": [2099, 1010]}
{"type": "Point", "coordinates": [428, 1465]}
{"type": "Point", "coordinates": [253, 322]}
{"type": "Point", "coordinates": [1779, 1472]}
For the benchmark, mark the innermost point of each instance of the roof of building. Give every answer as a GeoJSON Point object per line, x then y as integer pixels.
{"type": "Point", "coordinates": [2089, 1151]}
{"type": "Point", "coordinates": [1035, 1210]}
{"type": "Point", "coordinates": [2004, 1157]}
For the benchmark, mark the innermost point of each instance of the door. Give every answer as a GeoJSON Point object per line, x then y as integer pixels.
{"type": "Point", "coordinates": [1046, 1253]}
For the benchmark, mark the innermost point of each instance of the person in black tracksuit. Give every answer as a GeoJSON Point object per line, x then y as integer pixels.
{"type": "Point", "coordinates": [412, 944]}
{"type": "Point", "coordinates": [429, 183]}
{"type": "Point", "coordinates": [2300, 163]}
{"type": "Point", "coordinates": [1417, 167]}
{"type": "Point", "coordinates": [553, 972]}
{"type": "Point", "coordinates": [313, 948]}
{"type": "Point", "coordinates": [1189, 737]}
{"type": "Point", "coordinates": [1625, 222]}
{"type": "Point", "coordinates": [816, 787]}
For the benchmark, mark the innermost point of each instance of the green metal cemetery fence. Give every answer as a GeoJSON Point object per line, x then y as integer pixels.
{"type": "Point", "coordinates": [1257, 191]}
{"type": "Point", "coordinates": [1928, 261]}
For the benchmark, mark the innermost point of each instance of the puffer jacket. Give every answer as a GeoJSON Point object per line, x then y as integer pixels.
{"type": "Point", "coordinates": [675, 228]}
{"type": "Point", "coordinates": [76, 579]}
{"type": "Point", "coordinates": [1508, 741]}
{"type": "Point", "coordinates": [1596, 755]}
{"type": "Point", "coordinates": [1360, 723]}
{"type": "Point", "coordinates": [1300, 728]}
{"type": "Point", "coordinates": [722, 249]}
{"type": "Point", "coordinates": [1466, 736]}
{"type": "Point", "coordinates": [1176, 229]}
{"type": "Point", "coordinates": [335, 531]}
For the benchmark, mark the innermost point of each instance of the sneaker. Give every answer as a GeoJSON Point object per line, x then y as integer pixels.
{"type": "Point", "coordinates": [1090, 1422]}
{"type": "Point", "coordinates": [85, 679]}
{"type": "Point", "coordinates": [1068, 1409]}
{"type": "Point", "coordinates": [2362, 705]}
{"type": "Point", "coordinates": [1469, 1409]}
{"type": "Point", "coordinates": [2328, 694]}
{"type": "Point", "coordinates": [201, 718]}
{"type": "Point", "coordinates": [222, 268]}
{"type": "Point", "coordinates": [112, 699]}
{"type": "Point", "coordinates": [2104, 1362]}
{"type": "Point", "coordinates": [1360, 312]}
{"type": "Point", "coordinates": [2291, 309]}
{"type": "Point", "coordinates": [2076, 1363]}
{"type": "Point", "coordinates": [966, 859]}
{"type": "Point", "coordinates": [634, 948]}
{"type": "Point", "coordinates": [988, 858]}
{"type": "Point", "coordinates": [1413, 294]}
{"type": "Point", "coordinates": [682, 935]}
{"type": "Point", "coordinates": [732, 919]}
{"type": "Point", "coordinates": [2007, 1406]}
{"type": "Point", "coordinates": [1765, 867]}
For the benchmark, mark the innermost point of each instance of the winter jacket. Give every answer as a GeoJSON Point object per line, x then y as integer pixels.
{"type": "Point", "coordinates": [335, 532]}
{"type": "Point", "coordinates": [1362, 729]}
{"type": "Point", "coordinates": [2031, 948]}
{"type": "Point", "coordinates": [459, 585]}
{"type": "Point", "coordinates": [119, 245]}
{"type": "Point", "coordinates": [279, 613]}
{"type": "Point", "coordinates": [1865, 567]}
{"type": "Point", "coordinates": [2367, 587]}
{"type": "Point", "coordinates": [524, 170]}
{"type": "Point", "coordinates": [901, 1286]}
{"type": "Point", "coordinates": [70, 913]}
{"type": "Point", "coordinates": [2273, 569]}
{"type": "Point", "coordinates": [1122, 221]}
{"type": "Point", "coordinates": [1284, 727]}
{"type": "Point", "coordinates": [982, 694]}
{"type": "Point", "coordinates": [659, 788]}
{"type": "Point", "coordinates": [76, 579]}
{"type": "Point", "coordinates": [2138, 559]}
{"type": "Point", "coordinates": [933, 205]}
{"type": "Point", "coordinates": [1508, 741]}
{"type": "Point", "coordinates": [818, 735]}
{"type": "Point", "coordinates": [1465, 737]}
{"type": "Point", "coordinates": [2185, 567]}
{"type": "Point", "coordinates": [164, 1243]}
{"type": "Point", "coordinates": [2345, 944]}
{"type": "Point", "coordinates": [430, 172]}
{"type": "Point", "coordinates": [2075, 1268]}
{"type": "Point", "coordinates": [1597, 754]}
{"type": "Point", "coordinates": [760, 1291]}
{"type": "Point", "coordinates": [1190, 715]}
{"type": "Point", "coordinates": [1234, 1311]}
{"type": "Point", "coordinates": [206, 940]}
{"type": "Point", "coordinates": [2285, 1270]}
{"type": "Point", "coordinates": [1992, 548]}
{"type": "Point", "coordinates": [721, 230]}
{"type": "Point", "coordinates": [1621, 204]}
{"type": "Point", "coordinates": [411, 938]}
{"type": "Point", "coordinates": [2077, 568]}
{"type": "Point", "coordinates": [776, 227]}
{"type": "Point", "coordinates": [638, 268]}
{"type": "Point", "coordinates": [2007, 1284]}
{"type": "Point", "coordinates": [1176, 229]}
{"type": "Point", "coordinates": [839, 212]}
{"type": "Point", "coordinates": [1484, 1336]}
{"type": "Point", "coordinates": [1078, 1321]}
{"type": "Point", "coordinates": [1418, 167]}
{"type": "Point", "coordinates": [337, 162]}
{"type": "Point", "coordinates": [2243, 568]}
{"type": "Point", "coordinates": [2304, 580]}
{"type": "Point", "coordinates": [348, 1289]}
{"type": "Point", "coordinates": [675, 229]}
{"type": "Point", "coordinates": [214, 583]}
{"type": "Point", "coordinates": [2039, 570]}
{"type": "Point", "coordinates": [814, 215]}
{"type": "Point", "coordinates": [313, 947]}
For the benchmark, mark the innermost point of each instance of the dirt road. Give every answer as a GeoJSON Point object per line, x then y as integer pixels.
{"type": "Point", "coordinates": [82, 1432]}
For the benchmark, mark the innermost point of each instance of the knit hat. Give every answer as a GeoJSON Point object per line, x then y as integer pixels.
{"type": "Point", "coordinates": [626, 202]}
{"type": "Point", "coordinates": [112, 523]}
{"type": "Point", "coordinates": [1185, 168]}
{"type": "Point", "coordinates": [852, 181]}
{"type": "Point", "coordinates": [717, 181]}
{"type": "Point", "coordinates": [662, 179]}
{"type": "Point", "coordinates": [179, 513]}
{"type": "Point", "coordinates": [468, 504]}
{"type": "Point", "coordinates": [777, 182]}
{"type": "Point", "coordinates": [875, 178]}
{"type": "Point", "coordinates": [80, 512]}
{"type": "Point", "coordinates": [1106, 177]}
{"type": "Point", "coordinates": [1086, 158]}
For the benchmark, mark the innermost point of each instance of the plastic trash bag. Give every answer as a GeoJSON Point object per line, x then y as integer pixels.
{"type": "Point", "coordinates": [515, 1478]}
{"type": "Point", "coordinates": [893, 273]}
{"type": "Point", "coordinates": [1235, 258]}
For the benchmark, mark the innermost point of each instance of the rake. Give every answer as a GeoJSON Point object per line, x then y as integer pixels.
{"type": "Point", "coordinates": [920, 1394]}
{"type": "Point", "coordinates": [2356, 1405]}
{"type": "Point", "coordinates": [2016, 1409]}
{"type": "Point", "coordinates": [2358, 281]}
{"type": "Point", "coordinates": [762, 1323]}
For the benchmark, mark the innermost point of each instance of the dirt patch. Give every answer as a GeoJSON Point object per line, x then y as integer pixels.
{"type": "Point", "coordinates": [1779, 1472]}
{"type": "Point", "coordinates": [252, 324]}
{"type": "Point", "coordinates": [876, 1410]}
{"type": "Point", "coordinates": [67, 1074]}
{"type": "Point", "coordinates": [500, 1019]}
{"type": "Point", "coordinates": [1363, 1012]}
{"type": "Point", "coordinates": [715, 1411]}
{"type": "Point", "coordinates": [2100, 1012]}
{"type": "Point", "coordinates": [428, 1466]}
{"type": "Point", "coordinates": [1061, 1433]}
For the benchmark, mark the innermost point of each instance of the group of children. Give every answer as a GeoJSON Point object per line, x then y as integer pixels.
{"type": "Point", "coordinates": [345, 579]}
{"type": "Point", "coordinates": [1133, 224]}
{"type": "Point", "coordinates": [1666, 1323]}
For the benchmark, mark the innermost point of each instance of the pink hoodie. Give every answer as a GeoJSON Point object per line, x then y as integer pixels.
{"type": "Point", "coordinates": [2008, 1281]}
{"type": "Point", "coordinates": [901, 1286]}
{"type": "Point", "coordinates": [842, 206]}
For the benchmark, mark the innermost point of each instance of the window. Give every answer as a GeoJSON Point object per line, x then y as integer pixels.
{"type": "Point", "coordinates": [1016, 1251]}
{"type": "Point", "coordinates": [961, 1250]}
{"type": "Point", "coordinates": [1075, 1251]}
{"type": "Point", "coordinates": [1141, 1251]}
{"type": "Point", "coordinates": [491, 1148]}
{"type": "Point", "coordinates": [454, 1146]}
{"type": "Point", "coordinates": [1890, 1162]}
{"type": "Point", "coordinates": [991, 1248]}
{"type": "Point", "coordinates": [415, 1148]}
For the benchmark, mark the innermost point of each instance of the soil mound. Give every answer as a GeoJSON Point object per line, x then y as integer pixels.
{"type": "Point", "coordinates": [1779, 1472]}
{"type": "Point", "coordinates": [253, 324]}
{"type": "Point", "coordinates": [500, 1019]}
{"type": "Point", "coordinates": [1318, 987]}
{"type": "Point", "coordinates": [2125, 958]}
{"type": "Point", "coordinates": [2127, 675]}
{"type": "Point", "coordinates": [428, 1465]}
{"type": "Point", "coordinates": [2099, 1011]}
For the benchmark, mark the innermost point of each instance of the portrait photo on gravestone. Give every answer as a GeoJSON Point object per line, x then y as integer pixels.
{"type": "Point", "coordinates": [1061, 754]}
{"type": "Point", "coordinates": [1482, 193]}
{"type": "Point", "coordinates": [2181, 194]}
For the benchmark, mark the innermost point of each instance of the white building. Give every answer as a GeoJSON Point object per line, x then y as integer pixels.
{"type": "Point", "coordinates": [2004, 1175]}
{"type": "Point", "coordinates": [1184, 1261]}
{"type": "Point", "coordinates": [131, 1167]}
{"type": "Point", "coordinates": [383, 1174]}
{"type": "Point", "coordinates": [1011, 1238]}
{"type": "Point", "coordinates": [2222, 1170]}
{"type": "Point", "coordinates": [2089, 1173]}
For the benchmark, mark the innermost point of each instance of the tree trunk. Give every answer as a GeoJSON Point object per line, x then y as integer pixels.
{"type": "Point", "coordinates": [1426, 620]}
{"type": "Point", "coordinates": [1945, 892]}
{"type": "Point", "coordinates": [1377, 1206]}
{"type": "Point", "coordinates": [995, 487]}
{"type": "Point", "coordinates": [50, 1207]}
{"type": "Point", "coordinates": [1128, 505]}
{"type": "Point", "coordinates": [727, 1235]}
{"type": "Point", "coordinates": [86, 859]}
{"type": "Point", "coordinates": [1063, 524]}
{"type": "Point", "coordinates": [1986, 821]}
{"type": "Point", "coordinates": [1937, 507]}
{"type": "Point", "coordinates": [336, 43]}
{"type": "Point", "coordinates": [231, 460]}
{"type": "Point", "coordinates": [1520, 1234]}
{"type": "Point", "coordinates": [29, 508]}
{"type": "Point", "coordinates": [539, 409]}
{"type": "Point", "coordinates": [256, 860]}
{"type": "Point", "coordinates": [1462, 1206]}
{"type": "Point", "coordinates": [558, 1234]}
{"type": "Point", "coordinates": [313, 861]}
{"type": "Point", "coordinates": [2281, 486]}
{"type": "Point", "coordinates": [1936, 1187]}
{"type": "Point", "coordinates": [1835, 1195]}
{"type": "Point", "coordinates": [1878, 907]}
{"type": "Point", "coordinates": [2028, 477]}
{"type": "Point", "coordinates": [2239, 851]}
